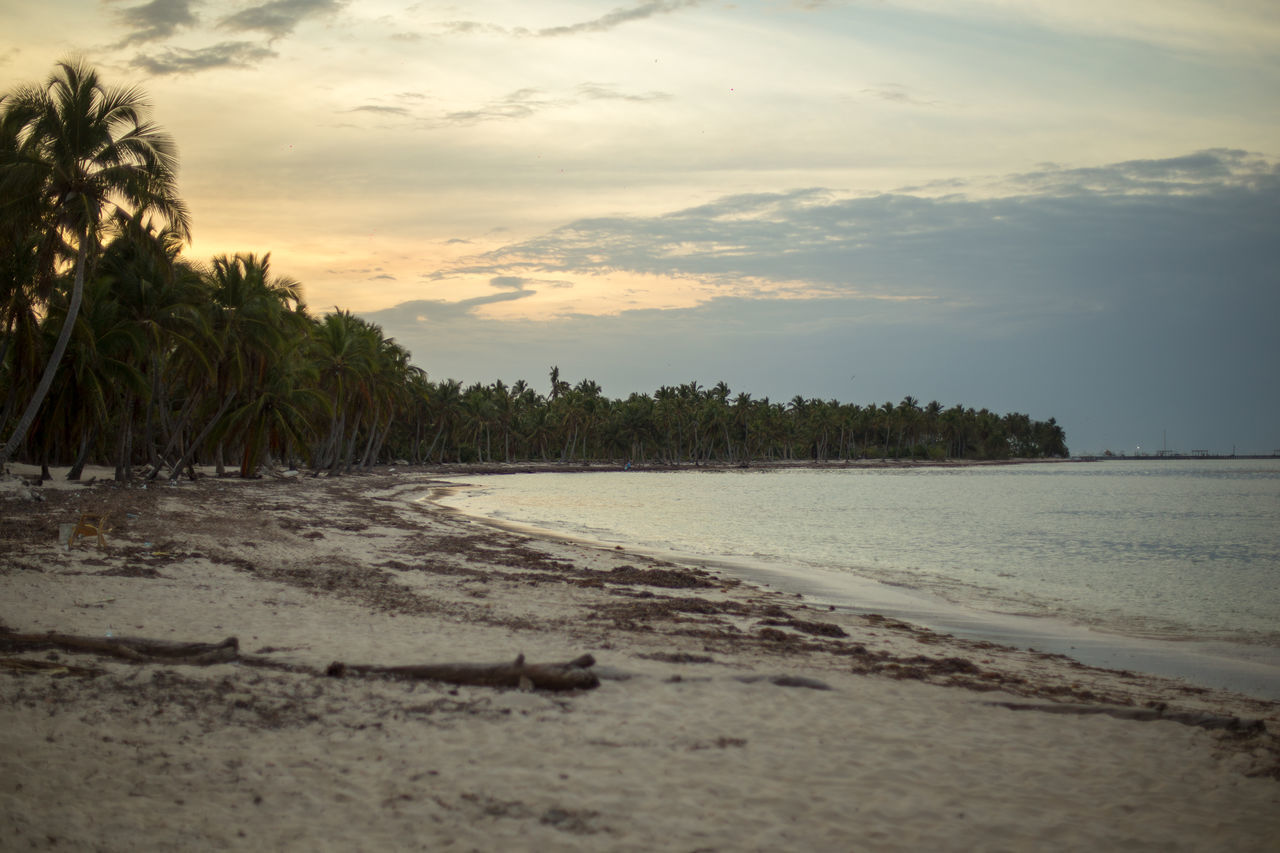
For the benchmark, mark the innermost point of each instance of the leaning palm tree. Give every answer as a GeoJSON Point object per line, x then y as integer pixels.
{"type": "Point", "coordinates": [82, 155]}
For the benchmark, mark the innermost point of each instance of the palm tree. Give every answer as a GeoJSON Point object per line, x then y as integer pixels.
{"type": "Point", "coordinates": [19, 247]}
{"type": "Point", "coordinates": [341, 351]}
{"type": "Point", "coordinates": [257, 319]}
{"type": "Point", "coordinates": [277, 414]}
{"type": "Point", "coordinates": [445, 401]}
{"type": "Point", "coordinates": [391, 388]}
{"type": "Point", "coordinates": [98, 390]}
{"type": "Point", "coordinates": [164, 298]}
{"type": "Point", "coordinates": [77, 155]}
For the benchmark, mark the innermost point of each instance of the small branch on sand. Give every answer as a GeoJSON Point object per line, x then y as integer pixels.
{"type": "Point", "coordinates": [574, 675]}
{"type": "Point", "coordinates": [1159, 712]}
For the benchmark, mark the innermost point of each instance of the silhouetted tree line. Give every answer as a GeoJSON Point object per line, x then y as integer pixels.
{"type": "Point", "coordinates": [118, 350]}
{"type": "Point", "coordinates": [692, 424]}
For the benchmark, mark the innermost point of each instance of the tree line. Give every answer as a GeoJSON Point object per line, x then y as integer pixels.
{"type": "Point", "coordinates": [691, 424]}
{"type": "Point", "coordinates": [119, 350]}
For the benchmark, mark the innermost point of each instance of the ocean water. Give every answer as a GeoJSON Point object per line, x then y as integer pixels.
{"type": "Point", "coordinates": [1169, 566]}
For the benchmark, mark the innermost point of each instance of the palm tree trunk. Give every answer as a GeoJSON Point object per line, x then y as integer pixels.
{"type": "Point", "coordinates": [175, 437]}
{"type": "Point", "coordinates": [377, 448]}
{"type": "Point", "coordinates": [344, 458]}
{"type": "Point", "coordinates": [124, 447]}
{"type": "Point", "coordinates": [176, 471]}
{"type": "Point", "coordinates": [432, 448]}
{"type": "Point", "coordinates": [77, 467]}
{"type": "Point", "coordinates": [55, 358]}
{"type": "Point", "coordinates": [366, 462]}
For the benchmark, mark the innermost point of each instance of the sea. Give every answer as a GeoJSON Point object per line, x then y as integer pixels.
{"type": "Point", "coordinates": [1170, 567]}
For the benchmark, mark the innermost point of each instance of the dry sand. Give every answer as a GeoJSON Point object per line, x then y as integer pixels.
{"type": "Point", "coordinates": [687, 744]}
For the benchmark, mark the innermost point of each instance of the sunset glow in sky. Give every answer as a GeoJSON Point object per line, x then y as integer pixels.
{"type": "Point", "coordinates": [1066, 209]}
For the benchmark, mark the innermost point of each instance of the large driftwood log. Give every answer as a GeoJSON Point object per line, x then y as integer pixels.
{"type": "Point", "coordinates": [1159, 712]}
{"type": "Point", "coordinates": [136, 649]}
{"type": "Point", "coordinates": [574, 675]}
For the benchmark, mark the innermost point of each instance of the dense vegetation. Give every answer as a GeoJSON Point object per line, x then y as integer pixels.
{"type": "Point", "coordinates": [117, 349]}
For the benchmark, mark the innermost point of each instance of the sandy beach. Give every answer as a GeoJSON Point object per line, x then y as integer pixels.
{"type": "Point", "coordinates": [727, 717]}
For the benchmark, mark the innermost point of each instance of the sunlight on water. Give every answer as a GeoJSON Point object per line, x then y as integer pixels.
{"type": "Point", "coordinates": [1172, 549]}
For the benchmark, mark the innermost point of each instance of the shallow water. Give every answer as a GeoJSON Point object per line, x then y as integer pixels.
{"type": "Point", "coordinates": [1179, 557]}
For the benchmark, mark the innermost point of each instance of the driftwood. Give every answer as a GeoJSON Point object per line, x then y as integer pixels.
{"type": "Point", "coordinates": [136, 649]}
{"type": "Point", "coordinates": [46, 667]}
{"type": "Point", "coordinates": [574, 675]}
{"type": "Point", "coordinates": [1159, 712]}
{"type": "Point", "coordinates": [785, 681]}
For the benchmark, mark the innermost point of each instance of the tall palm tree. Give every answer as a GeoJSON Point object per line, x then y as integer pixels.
{"type": "Point", "coordinates": [82, 154]}
{"type": "Point", "coordinates": [164, 298]}
{"type": "Point", "coordinates": [342, 351]}
{"type": "Point", "coordinates": [101, 386]}
{"type": "Point", "coordinates": [20, 241]}
{"type": "Point", "coordinates": [257, 317]}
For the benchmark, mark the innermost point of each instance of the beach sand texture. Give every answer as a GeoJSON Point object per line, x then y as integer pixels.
{"type": "Point", "coordinates": [687, 744]}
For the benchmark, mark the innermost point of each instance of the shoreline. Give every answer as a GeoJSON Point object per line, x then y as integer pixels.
{"type": "Point", "coordinates": [683, 745]}
{"type": "Point", "coordinates": [1212, 663]}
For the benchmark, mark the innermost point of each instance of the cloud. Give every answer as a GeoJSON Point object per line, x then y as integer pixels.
{"type": "Point", "coordinates": [898, 94]}
{"type": "Point", "coordinates": [515, 282]}
{"type": "Point", "coordinates": [156, 20]}
{"type": "Point", "coordinates": [161, 19]}
{"type": "Point", "coordinates": [434, 311]}
{"type": "Point", "coordinates": [519, 104]}
{"type": "Point", "coordinates": [1243, 26]}
{"type": "Point", "coordinates": [382, 110]}
{"type": "Point", "coordinates": [606, 22]}
{"type": "Point", "coordinates": [525, 103]}
{"type": "Point", "coordinates": [508, 282]}
{"type": "Point", "coordinates": [467, 28]}
{"type": "Point", "coordinates": [278, 18]}
{"type": "Point", "coordinates": [1071, 240]}
{"type": "Point", "coordinates": [231, 54]}
{"type": "Point", "coordinates": [1192, 173]}
{"type": "Point", "coordinates": [598, 92]}
{"type": "Point", "coordinates": [618, 17]}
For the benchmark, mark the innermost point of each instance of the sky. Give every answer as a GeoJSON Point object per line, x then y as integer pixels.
{"type": "Point", "coordinates": [1070, 210]}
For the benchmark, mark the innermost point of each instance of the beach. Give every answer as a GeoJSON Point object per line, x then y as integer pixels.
{"type": "Point", "coordinates": [727, 716]}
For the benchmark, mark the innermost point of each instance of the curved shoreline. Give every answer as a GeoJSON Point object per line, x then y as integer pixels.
{"type": "Point", "coordinates": [1248, 669]}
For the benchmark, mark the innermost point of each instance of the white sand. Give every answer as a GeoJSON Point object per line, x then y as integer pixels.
{"type": "Point", "coordinates": [661, 756]}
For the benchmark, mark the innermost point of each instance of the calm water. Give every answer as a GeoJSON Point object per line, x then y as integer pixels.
{"type": "Point", "coordinates": [1153, 551]}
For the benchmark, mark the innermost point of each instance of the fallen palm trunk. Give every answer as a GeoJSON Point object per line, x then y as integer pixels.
{"type": "Point", "coordinates": [574, 675]}
{"type": "Point", "coordinates": [136, 649]}
{"type": "Point", "coordinates": [1160, 712]}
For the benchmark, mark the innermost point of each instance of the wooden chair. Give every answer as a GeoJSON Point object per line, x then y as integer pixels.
{"type": "Point", "coordinates": [90, 524]}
